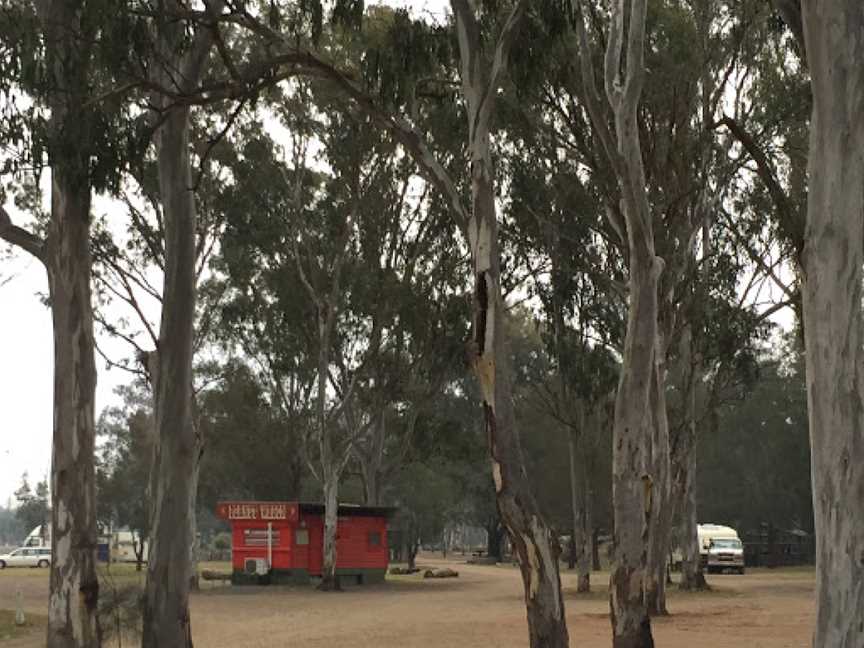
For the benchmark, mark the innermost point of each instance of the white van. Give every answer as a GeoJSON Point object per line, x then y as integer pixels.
{"type": "Point", "coordinates": [720, 548]}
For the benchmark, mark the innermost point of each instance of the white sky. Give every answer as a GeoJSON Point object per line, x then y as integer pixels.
{"type": "Point", "coordinates": [26, 374]}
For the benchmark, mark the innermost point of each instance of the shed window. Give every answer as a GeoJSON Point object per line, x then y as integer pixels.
{"type": "Point", "coordinates": [374, 538]}
{"type": "Point", "coordinates": [301, 537]}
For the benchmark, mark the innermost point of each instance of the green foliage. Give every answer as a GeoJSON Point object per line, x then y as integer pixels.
{"type": "Point", "coordinates": [754, 460]}
{"type": "Point", "coordinates": [12, 531]}
{"type": "Point", "coordinates": [52, 73]}
{"type": "Point", "coordinates": [251, 446]}
{"type": "Point", "coordinates": [123, 470]}
{"type": "Point", "coordinates": [33, 506]}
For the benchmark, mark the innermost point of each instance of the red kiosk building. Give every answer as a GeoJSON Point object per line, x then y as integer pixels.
{"type": "Point", "coordinates": [283, 542]}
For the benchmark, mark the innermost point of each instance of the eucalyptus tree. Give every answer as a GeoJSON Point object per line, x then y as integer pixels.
{"type": "Point", "coordinates": [832, 265]}
{"type": "Point", "coordinates": [57, 59]}
{"type": "Point", "coordinates": [408, 279]}
{"type": "Point", "coordinates": [130, 265]}
{"type": "Point", "coordinates": [684, 173]}
{"type": "Point", "coordinates": [484, 39]}
{"type": "Point", "coordinates": [348, 241]}
{"type": "Point", "coordinates": [825, 240]}
{"type": "Point", "coordinates": [178, 66]}
{"type": "Point", "coordinates": [633, 483]}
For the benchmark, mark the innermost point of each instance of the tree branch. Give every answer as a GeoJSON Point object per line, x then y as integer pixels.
{"type": "Point", "coordinates": [793, 228]}
{"type": "Point", "coordinates": [20, 237]}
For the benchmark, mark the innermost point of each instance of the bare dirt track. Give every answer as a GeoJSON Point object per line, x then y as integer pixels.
{"type": "Point", "coordinates": [483, 607]}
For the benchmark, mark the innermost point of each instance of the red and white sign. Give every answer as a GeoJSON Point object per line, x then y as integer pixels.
{"type": "Point", "coordinates": [264, 511]}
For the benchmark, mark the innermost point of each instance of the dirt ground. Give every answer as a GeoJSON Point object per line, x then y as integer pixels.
{"type": "Point", "coordinates": [483, 607]}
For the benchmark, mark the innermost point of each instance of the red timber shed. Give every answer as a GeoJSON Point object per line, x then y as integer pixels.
{"type": "Point", "coordinates": [283, 542]}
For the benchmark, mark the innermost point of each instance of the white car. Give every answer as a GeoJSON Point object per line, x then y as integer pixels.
{"type": "Point", "coordinates": [27, 557]}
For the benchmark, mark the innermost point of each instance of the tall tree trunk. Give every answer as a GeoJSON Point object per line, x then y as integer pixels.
{"type": "Point", "coordinates": [329, 579]}
{"type": "Point", "coordinates": [661, 522]}
{"type": "Point", "coordinates": [684, 472]}
{"type": "Point", "coordinates": [330, 472]}
{"type": "Point", "coordinates": [579, 494]}
{"type": "Point", "coordinates": [585, 521]}
{"type": "Point", "coordinates": [532, 539]}
{"type": "Point", "coordinates": [632, 479]}
{"type": "Point", "coordinates": [494, 534]}
{"type": "Point", "coordinates": [574, 502]}
{"type": "Point", "coordinates": [74, 587]}
{"type": "Point", "coordinates": [692, 576]}
{"type": "Point", "coordinates": [832, 263]}
{"type": "Point", "coordinates": [371, 462]}
{"type": "Point", "coordinates": [413, 546]}
{"type": "Point", "coordinates": [74, 590]}
{"type": "Point", "coordinates": [194, 580]}
{"type": "Point", "coordinates": [166, 606]}
{"type": "Point", "coordinates": [176, 446]}
{"type": "Point", "coordinates": [632, 483]}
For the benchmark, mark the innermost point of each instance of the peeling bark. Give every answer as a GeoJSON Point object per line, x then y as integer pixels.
{"type": "Point", "coordinates": [832, 267]}
{"type": "Point", "coordinates": [683, 464]}
{"type": "Point", "coordinates": [661, 522]}
{"type": "Point", "coordinates": [532, 540]}
{"type": "Point", "coordinates": [633, 481]}
{"type": "Point", "coordinates": [329, 579]}
{"type": "Point", "coordinates": [74, 591]}
{"type": "Point", "coordinates": [74, 587]}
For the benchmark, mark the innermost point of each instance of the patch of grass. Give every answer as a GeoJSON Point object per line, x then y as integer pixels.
{"type": "Point", "coordinates": [124, 572]}
{"type": "Point", "coordinates": [215, 566]}
{"type": "Point", "coordinates": [8, 630]}
{"type": "Point", "coordinates": [25, 572]}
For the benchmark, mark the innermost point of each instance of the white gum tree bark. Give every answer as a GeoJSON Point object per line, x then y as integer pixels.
{"type": "Point", "coordinates": [65, 253]}
{"type": "Point", "coordinates": [832, 264]}
{"type": "Point", "coordinates": [531, 537]}
{"type": "Point", "coordinates": [633, 478]}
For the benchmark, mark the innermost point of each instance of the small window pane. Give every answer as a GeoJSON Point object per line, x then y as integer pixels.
{"type": "Point", "coordinates": [301, 537]}
{"type": "Point", "coordinates": [374, 539]}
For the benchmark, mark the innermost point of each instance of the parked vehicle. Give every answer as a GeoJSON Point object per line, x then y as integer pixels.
{"type": "Point", "coordinates": [27, 557]}
{"type": "Point", "coordinates": [725, 553]}
{"type": "Point", "coordinates": [720, 548]}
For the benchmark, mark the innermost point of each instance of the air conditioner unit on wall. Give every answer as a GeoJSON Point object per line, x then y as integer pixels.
{"type": "Point", "coordinates": [256, 566]}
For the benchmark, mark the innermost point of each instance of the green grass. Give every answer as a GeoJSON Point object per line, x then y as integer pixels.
{"type": "Point", "coordinates": [25, 572]}
{"type": "Point", "coordinates": [8, 630]}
